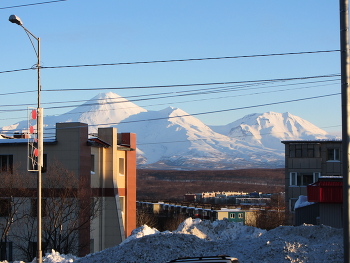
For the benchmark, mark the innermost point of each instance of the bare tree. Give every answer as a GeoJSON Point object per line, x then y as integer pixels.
{"type": "Point", "coordinates": [67, 210]}
{"type": "Point", "coordinates": [274, 216]}
{"type": "Point", "coordinates": [14, 193]}
{"type": "Point", "coordinates": [144, 217]}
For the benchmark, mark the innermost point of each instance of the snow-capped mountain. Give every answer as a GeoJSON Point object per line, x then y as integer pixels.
{"type": "Point", "coordinates": [270, 128]}
{"type": "Point", "coordinates": [100, 111]}
{"type": "Point", "coordinates": [173, 139]}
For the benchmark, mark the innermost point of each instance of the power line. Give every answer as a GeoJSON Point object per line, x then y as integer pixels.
{"type": "Point", "coordinates": [197, 84]}
{"type": "Point", "coordinates": [225, 110]}
{"type": "Point", "coordinates": [17, 92]}
{"type": "Point", "coordinates": [251, 82]}
{"type": "Point", "coordinates": [202, 113]}
{"type": "Point", "coordinates": [41, 3]}
{"type": "Point", "coordinates": [194, 59]}
{"type": "Point", "coordinates": [175, 60]}
{"type": "Point", "coordinates": [180, 95]}
{"type": "Point", "coordinates": [177, 94]}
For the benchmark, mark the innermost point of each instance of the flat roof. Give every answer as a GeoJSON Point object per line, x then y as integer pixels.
{"type": "Point", "coordinates": [23, 141]}
{"type": "Point", "coordinates": [311, 141]}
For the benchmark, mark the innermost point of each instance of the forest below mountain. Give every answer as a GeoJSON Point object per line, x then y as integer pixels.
{"type": "Point", "coordinates": [158, 185]}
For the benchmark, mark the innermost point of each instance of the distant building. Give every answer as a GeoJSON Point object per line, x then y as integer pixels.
{"type": "Point", "coordinates": [246, 217]}
{"type": "Point", "coordinates": [231, 197]}
{"type": "Point", "coordinates": [105, 166]}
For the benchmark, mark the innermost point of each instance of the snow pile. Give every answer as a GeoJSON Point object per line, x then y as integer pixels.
{"type": "Point", "coordinates": [56, 257]}
{"type": "Point", "coordinates": [305, 243]}
{"type": "Point", "coordinates": [194, 237]}
{"type": "Point", "coordinates": [302, 201]}
{"type": "Point", "coordinates": [141, 232]}
{"type": "Point", "coordinates": [218, 230]}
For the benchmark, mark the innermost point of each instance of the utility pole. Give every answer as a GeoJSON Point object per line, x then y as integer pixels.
{"type": "Point", "coordinates": [344, 55]}
{"type": "Point", "coordinates": [40, 136]}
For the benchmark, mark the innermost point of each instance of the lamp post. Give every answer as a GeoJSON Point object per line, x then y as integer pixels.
{"type": "Point", "coordinates": [16, 20]}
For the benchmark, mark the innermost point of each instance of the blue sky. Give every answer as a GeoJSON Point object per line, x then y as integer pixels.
{"type": "Point", "coordinates": [76, 32]}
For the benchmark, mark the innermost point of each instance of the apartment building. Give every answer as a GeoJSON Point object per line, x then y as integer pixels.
{"type": "Point", "coordinates": [105, 168]}
{"type": "Point", "coordinates": [313, 168]}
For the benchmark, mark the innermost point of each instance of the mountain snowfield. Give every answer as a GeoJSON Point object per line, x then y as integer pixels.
{"type": "Point", "coordinates": [173, 139]}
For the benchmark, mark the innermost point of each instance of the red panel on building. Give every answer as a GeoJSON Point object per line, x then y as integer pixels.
{"type": "Point", "coordinates": [325, 192]}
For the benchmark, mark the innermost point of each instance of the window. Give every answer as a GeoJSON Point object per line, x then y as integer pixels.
{"type": "Point", "coordinates": [292, 202]}
{"type": "Point", "coordinates": [5, 207]}
{"type": "Point", "coordinates": [333, 154]}
{"type": "Point", "coordinates": [6, 163]}
{"type": "Point", "coordinates": [303, 179]}
{"type": "Point", "coordinates": [316, 176]}
{"type": "Point", "coordinates": [121, 166]}
{"type": "Point", "coordinates": [6, 249]}
{"type": "Point", "coordinates": [92, 163]}
{"type": "Point", "coordinates": [304, 150]}
{"type": "Point", "coordinates": [298, 151]}
{"type": "Point", "coordinates": [293, 178]}
{"type": "Point", "coordinates": [121, 200]}
{"type": "Point", "coordinates": [240, 215]}
{"type": "Point", "coordinates": [34, 207]}
{"type": "Point", "coordinates": [232, 215]}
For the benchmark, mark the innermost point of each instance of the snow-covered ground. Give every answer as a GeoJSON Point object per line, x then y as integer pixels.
{"type": "Point", "coordinates": [195, 237]}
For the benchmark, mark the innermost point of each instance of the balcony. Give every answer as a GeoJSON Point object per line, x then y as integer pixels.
{"type": "Point", "coordinates": [325, 192]}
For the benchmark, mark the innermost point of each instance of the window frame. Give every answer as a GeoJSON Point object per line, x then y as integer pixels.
{"type": "Point", "coordinates": [92, 163]}
{"type": "Point", "coordinates": [291, 204]}
{"type": "Point", "coordinates": [8, 167]}
{"type": "Point", "coordinates": [297, 179]}
{"type": "Point", "coordinates": [5, 207]}
{"type": "Point", "coordinates": [121, 168]}
{"type": "Point", "coordinates": [335, 155]}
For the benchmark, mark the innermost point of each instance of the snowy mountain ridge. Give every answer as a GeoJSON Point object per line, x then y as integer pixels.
{"type": "Point", "coordinates": [173, 139]}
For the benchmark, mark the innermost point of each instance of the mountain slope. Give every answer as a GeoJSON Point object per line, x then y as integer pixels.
{"type": "Point", "coordinates": [270, 128]}
{"type": "Point", "coordinates": [100, 111]}
{"type": "Point", "coordinates": [173, 139]}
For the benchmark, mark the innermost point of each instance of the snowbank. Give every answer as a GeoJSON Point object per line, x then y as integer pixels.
{"type": "Point", "coordinates": [194, 237]}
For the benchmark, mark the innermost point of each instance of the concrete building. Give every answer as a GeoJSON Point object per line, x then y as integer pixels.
{"type": "Point", "coordinates": [105, 167]}
{"type": "Point", "coordinates": [313, 168]}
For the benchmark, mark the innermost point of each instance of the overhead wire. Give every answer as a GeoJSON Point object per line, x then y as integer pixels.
{"type": "Point", "coordinates": [210, 112]}
{"type": "Point", "coordinates": [225, 110]}
{"type": "Point", "coordinates": [187, 85]}
{"type": "Point", "coordinates": [196, 84]}
{"type": "Point", "coordinates": [193, 59]}
{"type": "Point", "coordinates": [177, 94]}
{"type": "Point", "coordinates": [174, 60]}
{"type": "Point", "coordinates": [40, 3]}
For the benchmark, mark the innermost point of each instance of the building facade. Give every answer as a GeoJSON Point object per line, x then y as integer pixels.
{"type": "Point", "coordinates": [103, 168]}
{"type": "Point", "coordinates": [318, 164]}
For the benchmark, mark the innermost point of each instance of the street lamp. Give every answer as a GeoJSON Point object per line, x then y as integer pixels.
{"type": "Point", "coordinates": [16, 20]}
